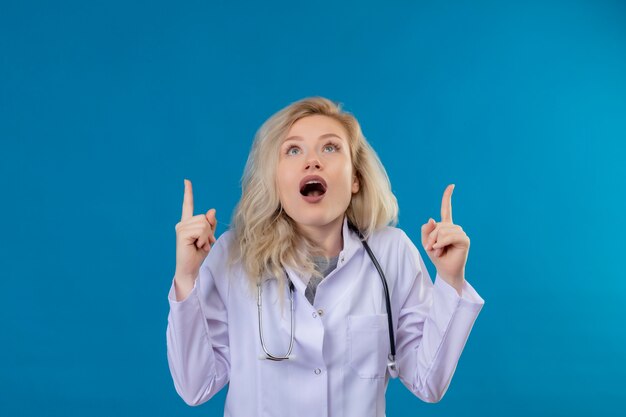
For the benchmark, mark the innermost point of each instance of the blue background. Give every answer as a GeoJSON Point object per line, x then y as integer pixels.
{"type": "Point", "coordinates": [106, 106]}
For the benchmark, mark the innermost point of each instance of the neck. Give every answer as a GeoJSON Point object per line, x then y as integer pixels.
{"type": "Point", "coordinates": [329, 237]}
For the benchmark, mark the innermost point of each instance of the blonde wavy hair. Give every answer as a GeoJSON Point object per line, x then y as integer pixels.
{"type": "Point", "coordinates": [265, 237]}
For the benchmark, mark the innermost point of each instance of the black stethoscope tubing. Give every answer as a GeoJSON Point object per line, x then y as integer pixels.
{"type": "Point", "coordinates": [392, 343]}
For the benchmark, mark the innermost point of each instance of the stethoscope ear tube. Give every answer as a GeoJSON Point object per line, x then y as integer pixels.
{"type": "Point", "coordinates": [268, 355]}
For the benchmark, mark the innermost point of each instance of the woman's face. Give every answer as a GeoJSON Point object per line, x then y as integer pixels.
{"type": "Point", "coordinates": [314, 176]}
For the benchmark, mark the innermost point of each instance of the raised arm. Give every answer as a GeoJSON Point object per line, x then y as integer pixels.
{"type": "Point", "coordinates": [434, 323]}
{"type": "Point", "coordinates": [197, 331]}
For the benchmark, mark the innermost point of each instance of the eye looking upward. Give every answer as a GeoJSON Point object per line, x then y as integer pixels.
{"type": "Point", "coordinates": [332, 146]}
{"type": "Point", "coordinates": [329, 147]}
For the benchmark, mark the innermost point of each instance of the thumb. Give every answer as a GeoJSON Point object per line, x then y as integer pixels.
{"type": "Point", "coordinates": [426, 229]}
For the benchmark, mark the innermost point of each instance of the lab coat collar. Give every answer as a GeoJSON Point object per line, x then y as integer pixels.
{"type": "Point", "coordinates": [351, 243]}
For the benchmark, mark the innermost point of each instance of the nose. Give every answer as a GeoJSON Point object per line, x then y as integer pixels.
{"type": "Point", "coordinates": [313, 162]}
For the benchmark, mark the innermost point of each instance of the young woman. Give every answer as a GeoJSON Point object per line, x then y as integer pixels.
{"type": "Point", "coordinates": [313, 299]}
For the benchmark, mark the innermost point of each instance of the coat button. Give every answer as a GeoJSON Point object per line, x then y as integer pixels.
{"type": "Point", "coordinates": [320, 312]}
{"type": "Point", "coordinates": [318, 371]}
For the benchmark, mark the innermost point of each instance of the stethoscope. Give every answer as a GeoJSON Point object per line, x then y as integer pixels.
{"type": "Point", "coordinates": [392, 355]}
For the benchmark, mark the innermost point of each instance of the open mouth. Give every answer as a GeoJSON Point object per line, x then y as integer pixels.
{"type": "Point", "coordinates": [313, 188]}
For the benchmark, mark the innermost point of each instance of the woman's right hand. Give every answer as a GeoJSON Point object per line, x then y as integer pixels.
{"type": "Point", "coordinates": [194, 237]}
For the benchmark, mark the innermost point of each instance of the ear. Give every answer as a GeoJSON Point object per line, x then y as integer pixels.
{"type": "Point", "coordinates": [356, 185]}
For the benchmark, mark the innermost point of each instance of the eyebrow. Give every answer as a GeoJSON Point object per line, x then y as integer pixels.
{"type": "Point", "coordinates": [325, 135]}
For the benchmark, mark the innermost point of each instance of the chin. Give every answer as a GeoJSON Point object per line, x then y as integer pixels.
{"type": "Point", "coordinates": [316, 220]}
{"type": "Point", "coordinates": [315, 215]}
{"type": "Point", "coordinates": [313, 222]}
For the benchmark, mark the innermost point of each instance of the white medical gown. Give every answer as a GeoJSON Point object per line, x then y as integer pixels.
{"type": "Point", "coordinates": [341, 344]}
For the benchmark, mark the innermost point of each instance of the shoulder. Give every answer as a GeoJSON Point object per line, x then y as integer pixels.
{"type": "Point", "coordinates": [400, 259]}
{"type": "Point", "coordinates": [390, 236]}
{"type": "Point", "coordinates": [393, 243]}
{"type": "Point", "coordinates": [224, 240]}
{"type": "Point", "coordinates": [218, 255]}
{"type": "Point", "coordinates": [215, 269]}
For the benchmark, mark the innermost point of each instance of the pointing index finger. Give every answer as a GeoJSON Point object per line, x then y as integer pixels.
{"type": "Point", "coordinates": [446, 204]}
{"type": "Point", "coordinates": [187, 201]}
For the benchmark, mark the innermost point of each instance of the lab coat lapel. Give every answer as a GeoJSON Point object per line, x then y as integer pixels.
{"type": "Point", "coordinates": [338, 284]}
{"type": "Point", "coordinates": [309, 330]}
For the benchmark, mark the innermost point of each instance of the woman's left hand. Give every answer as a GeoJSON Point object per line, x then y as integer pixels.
{"type": "Point", "coordinates": [446, 244]}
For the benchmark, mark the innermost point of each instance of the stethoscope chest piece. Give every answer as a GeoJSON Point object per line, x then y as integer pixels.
{"type": "Point", "coordinates": [392, 366]}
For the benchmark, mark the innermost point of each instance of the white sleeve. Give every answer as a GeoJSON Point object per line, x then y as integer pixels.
{"type": "Point", "coordinates": [434, 324]}
{"type": "Point", "coordinates": [197, 333]}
